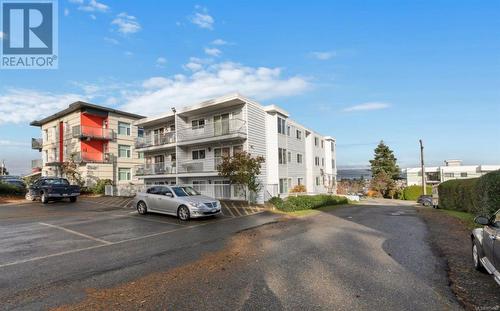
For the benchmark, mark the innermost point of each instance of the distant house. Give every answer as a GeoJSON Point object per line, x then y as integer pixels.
{"type": "Point", "coordinates": [453, 169]}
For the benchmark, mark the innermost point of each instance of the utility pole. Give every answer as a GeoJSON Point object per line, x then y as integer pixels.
{"type": "Point", "coordinates": [422, 166]}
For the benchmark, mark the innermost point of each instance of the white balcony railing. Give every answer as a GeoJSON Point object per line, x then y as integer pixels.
{"type": "Point", "coordinates": [92, 157]}
{"type": "Point", "coordinates": [83, 131]}
{"type": "Point", "coordinates": [162, 168]}
{"type": "Point", "coordinates": [155, 140]}
{"type": "Point", "coordinates": [213, 129]}
{"type": "Point", "coordinates": [222, 191]}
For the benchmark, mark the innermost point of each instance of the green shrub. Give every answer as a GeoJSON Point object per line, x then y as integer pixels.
{"type": "Point", "coordinates": [7, 189]}
{"type": "Point", "coordinates": [411, 193]}
{"type": "Point", "coordinates": [302, 202]}
{"type": "Point", "coordinates": [99, 186]}
{"type": "Point", "coordinates": [488, 193]}
{"type": "Point", "coordinates": [475, 195]}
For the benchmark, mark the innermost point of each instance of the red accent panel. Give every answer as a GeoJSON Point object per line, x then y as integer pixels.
{"type": "Point", "coordinates": [91, 120]}
{"type": "Point", "coordinates": [92, 150]}
{"type": "Point", "coordinates": [61, 138]}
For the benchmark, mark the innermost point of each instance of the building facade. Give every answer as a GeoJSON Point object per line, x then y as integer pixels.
{"type": "Point", "coordinates": [186, 145]}
{"type": "Point", "coordinates": [453, 169]}
{"type": "Point", "coordinates": [100, 140]}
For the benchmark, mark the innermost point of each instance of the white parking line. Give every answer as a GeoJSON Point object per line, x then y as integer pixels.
{"type": "Point", "coordinates": [76, 233]}
{"type": "Point", "coordinates": [112, 243]}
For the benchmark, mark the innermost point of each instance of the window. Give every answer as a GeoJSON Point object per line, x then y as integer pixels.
{"type": "Point", "coordinates": [322, 143]}
{"type": "Point", "coordinates": [289, 157]}
{"type": "Point", "coordinates": [463, 174]}
{"type": "Point", "coordinates": [300, 181]}
{"type": "Point", "coordinates": [299, 135]}
{"type": "Point", "coordinates": [140, 132]}
{"type": "Point", "coordinates": [281, 126]}
{"type": "Point", "coordinates": [140, 155]}
{"type": "Point", "coordinates": [45, 156]}
{"type": "Point", "coordinates": [332, 147]}
{"type": "Point", "coordinates": [451, 175]}
{"type": "Point", "coordinates": [159, 158]}
{"type": "Point", "coordinates": [316, 161]}
{"type": "Point", "coordinates": [123, 151]}
{"type": "Point", "coordinates": [316, 141]}
{"type": "Point", "coordinates": [317, 181]}
{"type": "Point", "coordinates": [198, 154]}
{"type": "Point", "coordinates": [198, 124]}
{"type": "Point", "coordinates": [322, 161]}
{"type": "Point", "coordinates": [288, 130]}
{"type": "Point", "coordinates": [123, 128]}
{"type": "Point", "coordinates": [281, 156]}
{"type": "Point", "coordinates": [283, 185]}
{"type": "Point", "coordinates": [45, 136]}
{"type": "Point", "coordinates": [299, 158]}
{"type": "Point", "coordinates": [333, 163]}
{"type": "Point", "coordinates": [124, 174]}
{"type": "Point", "coordinates": [200, 185]}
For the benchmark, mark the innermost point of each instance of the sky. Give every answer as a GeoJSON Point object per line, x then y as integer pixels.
{"type": "Point", "coordinates": [361, 71]}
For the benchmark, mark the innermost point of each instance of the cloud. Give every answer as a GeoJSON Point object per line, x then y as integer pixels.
{"type": "Point", "coordinates": [367, 106]}
{"type": "Point", "coordinates": [208, 81]}
{"type": "Point", "coordinates": [111, 40]}
{"type": "Point", "coordinates": [323, 55]}
{"type": "Point", "coordinates": [92, 16]}
{"type": "Point", "coordinates": [219, 42]}
{"type": "Point", "coordinates": [202, 18]}
{"type": "Point", "coordinates": [24, 105]}
{"type": "Point", "coordinates": [128, 53]}
{"type": "Point", "coordinates": [1, 35]}
{"type": "Point", "coordinates": [91, 6]}
{"type": "Point", "coordinates": [10, 143]}
{"type": "Point", "coordinates": [213, 52]}
{"type": "Point", "coordinates": [127, 24]}
{"type": "Point", "coordinates": [161, 62]}
{"type": "Point", "coordinates": [66, 12]}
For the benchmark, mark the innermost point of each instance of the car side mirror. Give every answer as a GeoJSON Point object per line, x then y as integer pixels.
{"type": "Point", "coordinates": [482, 220]}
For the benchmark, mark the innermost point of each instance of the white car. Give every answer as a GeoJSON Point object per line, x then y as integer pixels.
{"type": "Point", "coordinates": [181, 201]}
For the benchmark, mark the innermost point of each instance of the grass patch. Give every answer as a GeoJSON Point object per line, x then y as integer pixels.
{"type": "Point", "coordinates": [310, 211]}
{"type": "Point", "coordinates": [465, 217]}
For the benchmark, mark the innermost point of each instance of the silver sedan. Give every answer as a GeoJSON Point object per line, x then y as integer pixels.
{"type": "Point", "coordinates": [181, 201]}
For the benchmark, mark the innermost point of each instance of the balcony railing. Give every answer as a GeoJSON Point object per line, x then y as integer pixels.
{"type": "Point", "coordinates": [155, 140]}
{"type": "Point", "coordinates": [83, 131]}
{"type": "Point", "coordinates": [155, 169]}
{"type": "Point", "coordinates": [37, 144]}
{"type": "Point", "coordinates": [213, 129]}
{"type": "Point", "coordinates": [93, 157]}
{"type": "Point", "coordinates": [192, 167]}
{"type": "Point", "coordinates": [36, 163]}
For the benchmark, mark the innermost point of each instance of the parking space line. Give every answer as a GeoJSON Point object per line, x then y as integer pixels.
{"type": "Point", "coordinates": [76, 233]}
{"type": "Point", "coordinates": [229, 210]}
{"type": "Point", "coordinates": [110, 243]}
{"type": "Point", "coordinates": [236, 209]}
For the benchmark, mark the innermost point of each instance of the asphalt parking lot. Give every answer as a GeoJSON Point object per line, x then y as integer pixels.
{"type": "Point", "coordinates": [35, 231]}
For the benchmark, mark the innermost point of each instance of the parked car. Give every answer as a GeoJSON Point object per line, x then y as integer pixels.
{"type": "Point", "coordinates": [425, 200]}
{"type": "Point", "coordinates": [13, 181]}
{"type": "Point", "coordinates": [183, 202]}
{"type": "Point", "coordinates": [52, 189]}
{"type": "Point", "coordinates": [486, 245]}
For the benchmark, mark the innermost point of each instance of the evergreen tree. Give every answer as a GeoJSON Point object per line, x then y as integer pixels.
{"type": "Point", "coordinates": [384, 161]}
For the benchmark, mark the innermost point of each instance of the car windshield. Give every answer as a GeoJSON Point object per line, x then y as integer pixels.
{"type": "Point", "coordinates": [190, 191]}
{"type": "Point", "coordinates": [180, 192]}
{"type": "Point", "coordinates": [57, 181]}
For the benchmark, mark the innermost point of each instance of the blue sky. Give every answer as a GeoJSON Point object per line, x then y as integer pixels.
{"type": "Point", "coordinates": [361, 71]}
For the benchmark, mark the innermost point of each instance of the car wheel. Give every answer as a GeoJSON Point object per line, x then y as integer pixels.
{"type": "Point", "coordinates": [44, 199]}
{"type": "Point", "coordinates": [142, 208]}
{"type": "Point", "coordinates": [29, 197]}
{"type": "Point", "coordinates": [427, 203]}
{"type": "Point", "coordinates": [72, 199]}
{"type": "Point", "coordinates": [183, 213]}
{"type": "Point", "coordinates": [475, 258]}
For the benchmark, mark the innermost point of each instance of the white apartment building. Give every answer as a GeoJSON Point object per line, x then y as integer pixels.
{"type": "Point", "coordinates": [453, 169]}
{"type": "Point", "coordinates": [185, 146]}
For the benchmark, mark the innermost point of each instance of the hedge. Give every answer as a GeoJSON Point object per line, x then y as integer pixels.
{"type": "Point", "coordinates": [7, 189]}
{"type": "Point", "coordinates": [474, 195]}
{"type": "Point", "coordinates": [303, 202]}
{"type": "Point", "coordinates": [412, 193]}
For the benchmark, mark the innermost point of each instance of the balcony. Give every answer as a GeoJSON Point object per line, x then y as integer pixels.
{"type": "Point", "coordinates": [83, 131]}
{"type": "Point", "coordinates": [222, 130]}
{"type": "Point", "coordinates": [36, 144]}
{"type": "Point", "coordinates": [155, 169]}
{"type": "Point", "coordinates": [93, 157]}
{"type": "Point", "coordinates": [155, 140]}
{"type": "Point", "coordinates": [35, 164]}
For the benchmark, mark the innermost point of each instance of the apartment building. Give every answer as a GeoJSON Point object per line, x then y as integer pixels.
{"type": "Point", "coordinates": [99, 139]}
{"type": "Point", "coordinates": [453, 169]}
{"type": "Point", "coordinates": [185, 146]}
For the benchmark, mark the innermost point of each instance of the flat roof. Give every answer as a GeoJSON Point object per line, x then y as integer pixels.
{"type": "Point", "coordinates": [79, 105]}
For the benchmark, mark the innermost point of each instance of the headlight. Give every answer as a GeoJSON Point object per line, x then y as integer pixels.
{"type": "Point", "coordinates": [197, 204]}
